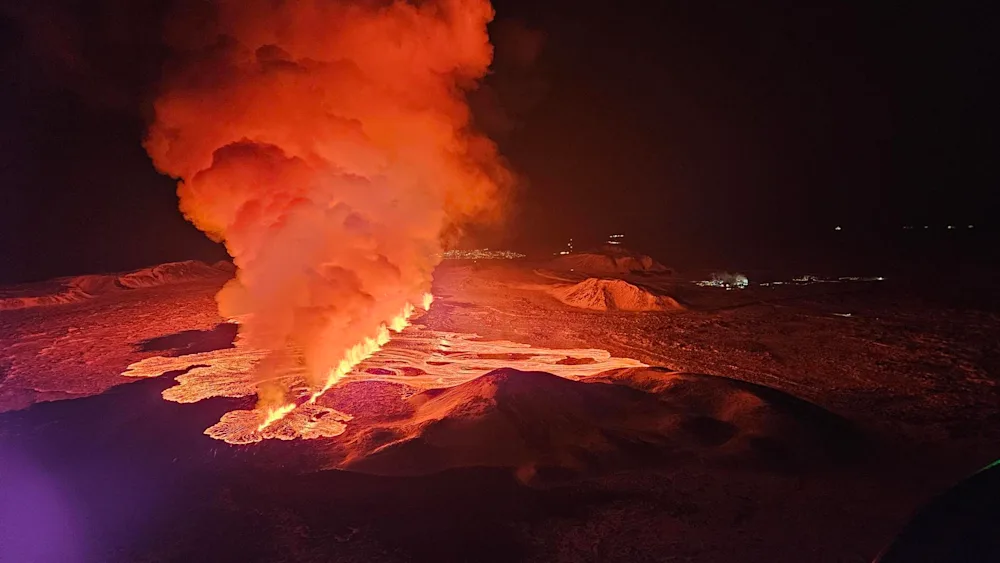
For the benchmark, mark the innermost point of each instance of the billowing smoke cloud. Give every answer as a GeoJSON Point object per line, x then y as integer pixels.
{"type": "Point", "coordinates": [328, 145]}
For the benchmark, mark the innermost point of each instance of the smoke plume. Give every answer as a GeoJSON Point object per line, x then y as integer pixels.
{"type": "Point", "coordinates": [328, 145]}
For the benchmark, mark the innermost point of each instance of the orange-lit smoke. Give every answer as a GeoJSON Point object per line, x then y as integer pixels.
{"type": "Point", "coordinates": [328, 145]}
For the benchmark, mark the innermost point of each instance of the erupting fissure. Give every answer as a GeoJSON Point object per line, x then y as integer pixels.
{"type": "Point", "coordinates": [418, 358]}
{"type": "Point", "coordinates": [354, 356]}
{"type": "Point", "coordinates": [330, 147]}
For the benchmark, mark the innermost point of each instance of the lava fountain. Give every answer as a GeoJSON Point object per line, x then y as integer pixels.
{"type": "Point", "coordinates": [329, 146]}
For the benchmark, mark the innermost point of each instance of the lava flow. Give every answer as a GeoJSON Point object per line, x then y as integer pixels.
{"type": "Point", "coordinates": [416, 358]}
{"type": "Point", "coordinates": [354, 356]}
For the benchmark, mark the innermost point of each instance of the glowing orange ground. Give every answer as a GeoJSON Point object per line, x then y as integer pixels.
{"type": "Point", "coordinates": [416, 357]}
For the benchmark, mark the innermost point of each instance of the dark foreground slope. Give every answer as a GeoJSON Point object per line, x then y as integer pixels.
{"type": "Point", "coordinates": [535, 421]}
{"type": "Point", "coordinates": [634, 466]}
{"type": "Point", "coordinates": [642, 466]}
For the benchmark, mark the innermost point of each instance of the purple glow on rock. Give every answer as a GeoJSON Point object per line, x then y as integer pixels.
{"type": "Point", "coordinates": [36, 522]}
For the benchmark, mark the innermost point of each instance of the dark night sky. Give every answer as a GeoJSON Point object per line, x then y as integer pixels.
{"type": "Point", "coordinates": [699, 128]}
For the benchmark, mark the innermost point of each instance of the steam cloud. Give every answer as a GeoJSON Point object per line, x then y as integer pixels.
{"type": "Point", "coordinates": [328, 144]}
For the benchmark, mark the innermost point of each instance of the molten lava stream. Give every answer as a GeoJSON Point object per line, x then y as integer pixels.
{"type": "Point", "coordinates": [417, 358]}
{"type": "Point", "coordinates": [352, 357]}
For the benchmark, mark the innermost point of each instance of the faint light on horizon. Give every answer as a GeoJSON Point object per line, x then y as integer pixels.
{"type": "Point", "coordinates": [569, 249]}
{"type": "Point", "coordinates": [481, 254]}
{"type": "Point", "coordinates": [809, 279]}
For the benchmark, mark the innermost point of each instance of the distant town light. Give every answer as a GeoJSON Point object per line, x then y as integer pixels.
{"type": "Point", "coordinates": [970, 226]}
{"type": "Point", "coordinates": [726, 281]}
{"type": "Point", "coordinates": [951, 226]}
{"type": "Point", "coordinates": [616, 238]}
{"type": "Point", "coordinates": [483, 254]}
{"type": "Point", "coordinates": [837, 228]}
{"type": "Point", "coordinates": [927, 226]}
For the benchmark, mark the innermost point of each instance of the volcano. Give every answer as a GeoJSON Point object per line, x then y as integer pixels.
{"type": "Point", "coordinates": [502, 424]}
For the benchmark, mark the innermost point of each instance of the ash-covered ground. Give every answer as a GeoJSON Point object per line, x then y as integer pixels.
{"type": "Point", "coordinates": [791, 422]}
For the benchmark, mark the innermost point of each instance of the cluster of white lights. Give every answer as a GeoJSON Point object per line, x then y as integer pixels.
{"type": "Point", "coordinates": [726, 281]}
{"type": "Point", "coordinates": [616, 239]}
{"type": "Point", "coordinates": [569, 249]}
{"type": "Point", "coordinates": [481, 254]}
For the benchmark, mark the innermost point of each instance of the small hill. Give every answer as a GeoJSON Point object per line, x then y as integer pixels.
{"type": "Point", "coordinates": [535, 421]}
{"type": "Point", "coordinates": [607, 261]}
{"type": "Point", "coordinates": [74, 289]}
{"type": "Point", "coordinates": [598, 294]}
{"type": "Point", "coordinates": [174, 272]}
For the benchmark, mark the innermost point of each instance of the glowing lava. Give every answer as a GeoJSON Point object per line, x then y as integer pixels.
{"type": "Point", "coordinates": [275, 414]}
{"type": "Point", "coordinates": [354, 356]}
{"type": "Point", "coordinates": [417, 358]}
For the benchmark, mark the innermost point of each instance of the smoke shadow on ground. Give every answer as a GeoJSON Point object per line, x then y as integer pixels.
{"type": "Point", "coordinates": [137, 479]}
{"type": "Point", "coordinates": [186, 342]}
{"type": "Point", "coordinates": [468, 514]}
{"type": "Point", "coordinates": [113, 460]}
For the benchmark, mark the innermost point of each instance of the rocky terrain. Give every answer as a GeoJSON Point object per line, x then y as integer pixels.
{"type": "Point", "coordinates": [778, 423]}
